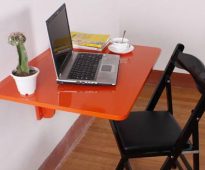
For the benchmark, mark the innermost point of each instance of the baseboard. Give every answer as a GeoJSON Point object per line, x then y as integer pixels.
{"type": "Point", "coordinates": [77, 131]}
{"type": "Point", "coordinates": [177, 79]}
{"type": "Point", "coordinates": [68, 143]}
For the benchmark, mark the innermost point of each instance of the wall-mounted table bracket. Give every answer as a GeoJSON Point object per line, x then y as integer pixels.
{"type": "Point", "coordinates": [44, 112]}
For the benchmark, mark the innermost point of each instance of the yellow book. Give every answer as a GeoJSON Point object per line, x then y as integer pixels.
{"type": "Point", "coordinates": [89, 41]}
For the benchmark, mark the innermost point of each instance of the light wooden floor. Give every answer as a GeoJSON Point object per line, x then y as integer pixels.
{"type": "Point", "coordinates": [98, 150]}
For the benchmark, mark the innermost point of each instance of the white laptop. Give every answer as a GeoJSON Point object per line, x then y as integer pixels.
{"type": "Point", "coordinates": [78, 67]}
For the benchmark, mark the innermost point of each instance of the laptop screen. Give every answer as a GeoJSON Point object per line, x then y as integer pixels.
{"type": "Point", "coordinates": [60, 38]}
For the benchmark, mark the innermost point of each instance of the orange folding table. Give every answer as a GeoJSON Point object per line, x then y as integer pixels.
{"type": "Point", "coordinates": [109, 102]}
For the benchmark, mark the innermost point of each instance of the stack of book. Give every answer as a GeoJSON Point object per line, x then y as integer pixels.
{"type": "Point", "coordinates": [87, 41]}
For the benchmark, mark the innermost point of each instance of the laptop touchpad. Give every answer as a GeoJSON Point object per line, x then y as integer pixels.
{"type": "Point", "coordinates": [106, 67]}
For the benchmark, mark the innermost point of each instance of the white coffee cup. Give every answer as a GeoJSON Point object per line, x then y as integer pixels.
{"type": "Point", "coordinates": [120, 44]}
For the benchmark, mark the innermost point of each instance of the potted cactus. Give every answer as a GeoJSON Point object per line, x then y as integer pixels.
{"type": "Point", "coordinates": [24, 75]}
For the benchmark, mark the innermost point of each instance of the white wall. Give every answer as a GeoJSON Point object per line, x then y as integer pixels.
{"type": "Point", "coordinates": [25, 142]}
{"type": "Point", "coordinates": [164, 23]}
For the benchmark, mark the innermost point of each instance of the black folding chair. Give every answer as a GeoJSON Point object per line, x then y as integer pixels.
{"type": "Point", "coordinates": [156, 133]}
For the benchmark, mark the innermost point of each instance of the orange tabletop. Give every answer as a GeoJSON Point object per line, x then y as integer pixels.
{"type": "Point", "coordinates": [109, 102]}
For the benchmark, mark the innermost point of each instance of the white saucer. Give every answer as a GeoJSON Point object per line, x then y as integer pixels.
{"type": "Point", "coordinates": [112, 49]}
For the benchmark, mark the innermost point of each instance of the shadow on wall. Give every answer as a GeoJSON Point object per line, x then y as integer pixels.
{"type": "Point", "coordinates": [16, 22]}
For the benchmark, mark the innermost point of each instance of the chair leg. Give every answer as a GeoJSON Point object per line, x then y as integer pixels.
{"type": "Point", "coordinates": [121, 164]}
{"type": "Point", "coordinates": [196, 161]}
{"type": "Point", "coordinates": [195, 138]}
{"type": "Point", "coordinates": [127, 165]}
{"type": "Point", "coordinates": [178, 165]}
{"type": "Point", "coordinates": [168, 163]}
{"type": "Point", "coordinates": [185, 161]}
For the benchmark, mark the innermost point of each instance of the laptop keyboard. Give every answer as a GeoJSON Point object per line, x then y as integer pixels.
{"type": "Point", "coordinates": [85, 66]}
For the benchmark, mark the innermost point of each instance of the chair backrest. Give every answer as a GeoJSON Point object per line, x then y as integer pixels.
{"type": "Point", "coordinates": [195, 67]}
{"type": "Point", "coordinates": [197, 70]}
{"type": "Point", "coordinates": [165, 81]}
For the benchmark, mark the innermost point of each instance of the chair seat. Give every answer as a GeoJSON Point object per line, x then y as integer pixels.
{"type": "Point", "coordinates": [147, 132]}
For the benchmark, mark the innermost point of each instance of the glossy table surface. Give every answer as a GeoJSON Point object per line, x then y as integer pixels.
{"type": "Point", "coordinates": [109, 102]}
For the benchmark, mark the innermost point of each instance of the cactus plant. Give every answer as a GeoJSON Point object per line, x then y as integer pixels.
{"type": "Point", "coordinates": [17, 39]}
